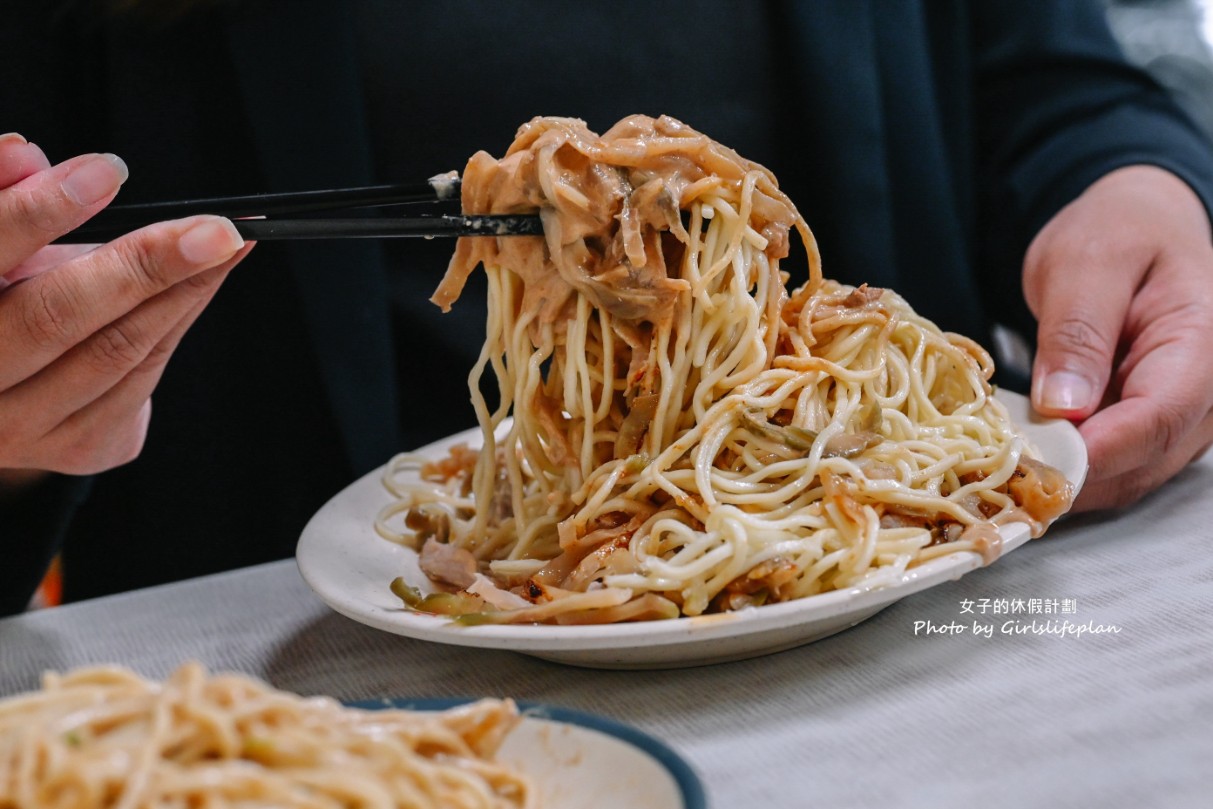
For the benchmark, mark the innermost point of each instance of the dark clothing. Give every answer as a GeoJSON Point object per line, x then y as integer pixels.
{"type": "Point", "coordinates": [924, 142]}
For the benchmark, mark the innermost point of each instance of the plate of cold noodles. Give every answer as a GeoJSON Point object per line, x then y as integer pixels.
{"type": "Point", "coordinates": [107, 737]}
{"type": "Point", "coordinates": [689, 461]}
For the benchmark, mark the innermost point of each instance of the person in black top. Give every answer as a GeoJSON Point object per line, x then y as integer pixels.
{"type": "Point", "coordinates": [994, 162]}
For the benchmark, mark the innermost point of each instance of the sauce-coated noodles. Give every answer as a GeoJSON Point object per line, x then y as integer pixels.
{"type": "Point", "coordinates": [686, 436]}
{"type": "Point", "coordinates": [105, 737]}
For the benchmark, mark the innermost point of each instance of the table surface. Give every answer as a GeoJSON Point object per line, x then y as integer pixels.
{"type": "Point", "coordinates": [876, 716]}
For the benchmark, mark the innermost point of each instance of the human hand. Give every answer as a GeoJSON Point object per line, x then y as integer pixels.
{"type": "Point", "coordinates": [85, 336]}
{"type": "Point", "coordinates": [1121, 283]}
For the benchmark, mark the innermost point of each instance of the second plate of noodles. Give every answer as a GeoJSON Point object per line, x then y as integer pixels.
{"type": "Point", "coordinates": [104, 736]}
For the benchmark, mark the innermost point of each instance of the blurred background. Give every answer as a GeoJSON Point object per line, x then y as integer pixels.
{"type": "Point", "coordinates": [1173, 40]}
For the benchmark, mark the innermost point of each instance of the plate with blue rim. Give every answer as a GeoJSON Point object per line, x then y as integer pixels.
{"type": "Point", "coordinates": [579, 760]}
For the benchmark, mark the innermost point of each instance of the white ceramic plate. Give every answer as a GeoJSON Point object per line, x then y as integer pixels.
{"type": "Point", "coordinates": [582, 761]}
{"type": "Point", "coordinates": [350, 566]}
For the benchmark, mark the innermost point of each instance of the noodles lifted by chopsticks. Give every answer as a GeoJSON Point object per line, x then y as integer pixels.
{"type": "Point", "coordinates": [686, 436]}
{"type": "Point", "coordinates": [104, 737]}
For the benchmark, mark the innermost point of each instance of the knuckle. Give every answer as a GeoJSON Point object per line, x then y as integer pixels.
{"type": "Point", "coordinates": [29, 208]}
{"type": "Point", "coordinates": [1076, 335]}
{"type": "Point", "coordinates": [118, 345]}
{"type": "Point", "coordinates": [140, 256]}
{"type": "Point", "coordinates": [1192, 317]}
{"type": "Point", "coordinates": [213, 278]}
{"type": "Point", "coordinates": [1061, 244]}
{"type": "Point", "coordinates": [1171, 423]}
{"type": "Point", "coordinates": [203, 284]}
{"type": "Point", "coordinates": [49, 315]}
{"type": "Point", "coordinates": [157, 355]}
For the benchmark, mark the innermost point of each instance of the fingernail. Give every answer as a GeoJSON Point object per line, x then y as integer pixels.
{"type": "Point", "coordinates": [1065, 390]}
{"type": "Point", "coordinates": [12, 137]}
{"type": "Point", "coordinates": [95, 179]}
{"type": "Point", "coordinates": [210, 242]}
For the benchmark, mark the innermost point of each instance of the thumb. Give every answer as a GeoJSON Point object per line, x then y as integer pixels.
{"type": "Point", "coordinates": [1081, 302]}
{"type": "Point", "coordinates": [1073, 363]}
{"type": "Point", "coordinates": [1082, 276]}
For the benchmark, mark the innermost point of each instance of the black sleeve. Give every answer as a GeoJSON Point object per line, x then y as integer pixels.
{"type": "Point", "coordinates": [31, 530]}
{"type": "Point", "coordinates": [1057, 107]}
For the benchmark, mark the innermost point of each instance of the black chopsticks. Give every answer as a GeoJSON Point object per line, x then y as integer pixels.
{"type": "Point", "coordinates": [298, 215]}
{"type": "Point", "coordinates": [295, 202]}
{"type": "Point", "coordinates": [428, 227]}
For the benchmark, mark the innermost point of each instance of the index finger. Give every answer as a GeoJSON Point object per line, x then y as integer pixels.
{"type": "Point", "coordinates": [45, 316]}
{"type": "Point", "coordinates": [47, 204]}
{"type": "Point", "coordinates": [1167, 388]}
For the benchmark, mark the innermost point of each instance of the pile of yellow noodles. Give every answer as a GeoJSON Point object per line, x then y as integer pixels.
{"type": "Point", "coordinates": [105, 737]}
{"type": "Point", "coordinates": [687, 437]}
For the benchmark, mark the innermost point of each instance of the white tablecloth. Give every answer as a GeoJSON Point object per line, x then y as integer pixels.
{"type": "Point", "coordinates": [877, 716]}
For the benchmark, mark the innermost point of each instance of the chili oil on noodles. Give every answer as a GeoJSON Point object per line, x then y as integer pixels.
{"type": "Point", "coordinates": [687, 436]}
